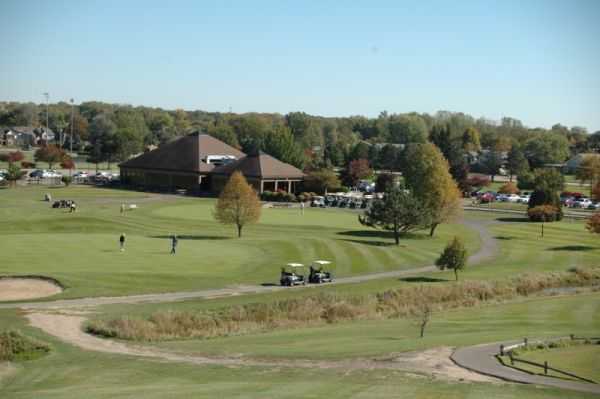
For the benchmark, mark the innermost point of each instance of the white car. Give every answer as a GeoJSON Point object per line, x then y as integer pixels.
{"type": "Point", "coordinates": [581, 203]}
{"type": "Point", "coordinates": [81, 174]}
{"type": "Point", "coordinates": [50, 174]}
{"type": "Point", "coordinates": [524, 199]}
{"type": "Point", "coordinates": [512, 198]}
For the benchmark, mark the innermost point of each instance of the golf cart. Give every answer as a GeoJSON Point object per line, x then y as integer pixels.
{"type": "Point", "coordinates": [317, 274]}
{"type": "Point", "coordinates": [292, 274]}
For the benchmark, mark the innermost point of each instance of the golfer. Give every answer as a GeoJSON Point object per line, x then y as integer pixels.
{"type": "Point", "coordinates": [173, 244]}
{"type": "Point", "coordinates": [122, 242]}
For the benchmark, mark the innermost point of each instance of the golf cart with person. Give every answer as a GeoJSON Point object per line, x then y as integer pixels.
{"type": "Point", "coordinates": [317, 273]}
{"type": "Point", "coordinates": [292, 274]}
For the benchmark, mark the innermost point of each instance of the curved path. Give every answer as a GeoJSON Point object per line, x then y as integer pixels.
{"type": "Point", "coordinates": [481, 359]}
{"type": "Point", "coordinates": [487, 251]}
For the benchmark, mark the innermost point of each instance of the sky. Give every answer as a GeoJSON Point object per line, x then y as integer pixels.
{"type": "Point", "coordinates": [534, 60]}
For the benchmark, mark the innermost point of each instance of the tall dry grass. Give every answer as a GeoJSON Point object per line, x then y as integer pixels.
{"type": "Point", "coordinates": [406, 301]}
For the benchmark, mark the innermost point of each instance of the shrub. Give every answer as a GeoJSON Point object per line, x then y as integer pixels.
{"type": "Point", "coordinates": [67, 180]}
{"type": "Point", "coordinates": [28, 165]}
{"type": "Point", "coordinates": [525, 181]}
{"type": "Point", "coordinates": [508, 188]}
{"type": "Point", "coordinates": [544, 213]}
{"type": "Point", "coordinates": [15, 346]}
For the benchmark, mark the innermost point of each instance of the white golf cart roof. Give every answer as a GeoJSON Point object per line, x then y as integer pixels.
{"type": "Point", "coordinates": [322, 262]}
{"type": "Point", "coordinates": [295, 265]}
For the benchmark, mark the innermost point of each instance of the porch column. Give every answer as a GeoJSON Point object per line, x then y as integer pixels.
{"type": "Point", "coordinates": [289, 185]}
{"type": "Point", "coordinates": [276, 181]}
{"type": "Point", "coordinates": [262, 186]}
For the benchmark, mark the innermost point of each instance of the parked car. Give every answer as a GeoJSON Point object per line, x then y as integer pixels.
{"type": "Point", "coordinates": [487, 197]}
{"type": "Point", "coordinates": [317, 201]}
{"type": "Point", "coordinates": [81, 175]}
{"type": "Point", "coordinates": [524, 199]}
{"type": "Point", "coordinates": [51, 174]}
{"type": "Point", "coordinates": [594, 206]}
{"type": "Point", "coordinates": [512, 198]}
{"type": "Point", "coordinates": [38, 173]}
{"type": "Point", "coordinates": [582, 203]}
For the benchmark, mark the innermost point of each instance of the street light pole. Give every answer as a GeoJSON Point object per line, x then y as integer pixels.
{"type": "Point", "coordinates": [71, 140]}
{"type": "Point", "coordinates": [47, 95]}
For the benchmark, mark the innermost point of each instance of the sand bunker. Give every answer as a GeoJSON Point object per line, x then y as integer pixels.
{"type": "Point", "coordinates": [19, 288]}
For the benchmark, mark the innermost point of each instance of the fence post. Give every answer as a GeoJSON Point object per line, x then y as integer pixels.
{"type": "Point", "coordinates": [572, 337]}
{"type": "Point", "coordinates": [525, 341]}
{"type": "Point", "coordinates": [501, 349]}
{"type": "Point", "coordinates": [545, 367]}
{"type": "Point", "coordinates": [512, 362]}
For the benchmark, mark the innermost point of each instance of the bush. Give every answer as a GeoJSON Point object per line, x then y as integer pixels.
{"type": "Point", "coordinates": [28, 165]}
{"type": "Point", "coordinates": [544, 213]}
{"type": "Point", "coordinates": [67, 180]}
{"type": "Point", "coordinates": [15, 346]}
{"type": "Point", "coordinates": [525, 181]}
{"type": "Point", "coordinates": [508, 188]}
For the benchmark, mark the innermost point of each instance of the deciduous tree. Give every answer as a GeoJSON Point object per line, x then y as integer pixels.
{"type": "Point", "coordinates": [426, 174]}
{"type": "Point", "coordinates": [321, 180]}
{"type": "Point", "coordinates": [454, 257]}
{"type": "Point", "coordinates": [238, 203]}
{"type": "Point", "coordinates": [50, 154]}
{"type": "Point", "coordinates": [589, 170]}
{"type": "Point", "coordinates": [357, 169]}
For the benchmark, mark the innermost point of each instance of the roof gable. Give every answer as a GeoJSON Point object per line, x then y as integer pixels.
{"type": "Point", "coordinates": [261, 165]}
{"type": "Point", "coordinates": [184, 154]}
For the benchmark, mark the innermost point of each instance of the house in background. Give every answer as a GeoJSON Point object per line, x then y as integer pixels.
{"type": "Point", "coordinates": [571, 166]}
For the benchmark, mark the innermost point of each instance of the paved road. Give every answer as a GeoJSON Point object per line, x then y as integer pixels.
{"type": "Point", "coordinates": [481, 359]}
{"type": "Point", "coordinates": [486, 251]}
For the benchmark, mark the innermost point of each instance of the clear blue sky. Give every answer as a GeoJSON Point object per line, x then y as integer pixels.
{"type": "Point", "coordinates": [538, 61]}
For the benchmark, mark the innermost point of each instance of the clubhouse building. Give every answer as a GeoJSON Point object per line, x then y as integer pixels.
{"type": "Point", "coordinates": [201, 163]}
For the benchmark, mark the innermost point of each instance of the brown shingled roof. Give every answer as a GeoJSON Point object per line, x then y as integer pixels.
{"type": "Point", "coordinates": [260, 165]}
{"type": "Point", "coordinates": [184, 154]}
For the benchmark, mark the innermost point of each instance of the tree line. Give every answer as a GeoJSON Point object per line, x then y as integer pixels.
{"type": "Point", "coordinates": [114, 132]}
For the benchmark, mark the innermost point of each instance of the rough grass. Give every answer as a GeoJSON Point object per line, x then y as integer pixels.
{"type": "Point", "coordinates": [403, 302]}
{"type": "Point", "coordinates": [14, 346]}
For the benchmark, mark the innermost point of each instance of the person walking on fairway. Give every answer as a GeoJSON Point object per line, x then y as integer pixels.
{"type": "Point", "coordinates": [122, 242]}
{"type": "Point", "coordinates": [173, 244]}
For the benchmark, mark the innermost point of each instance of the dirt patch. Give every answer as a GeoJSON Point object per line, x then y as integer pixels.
{"type": "Point", "coordinates": [437, 361]}
{"type": "Point", "coordinates": [19, 288]}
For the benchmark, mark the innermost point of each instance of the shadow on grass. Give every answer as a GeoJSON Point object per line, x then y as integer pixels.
{"type": "Point", "coordinates": [372, 243]}
{"type": "Point", "coordinates": [383, 234]}
{"type": "Point", "coordinates": [505, 238]}
{"type": "Point", "coordinates": [423, 280]}
{"type": "Point", "coordinates": [573, 248]}
{"type": "Point", "coordinates": [513, 220]}
{"type": "Point", "coordinates": [193, 237]}
{"type": "Point", "coordinates": [269, 285]}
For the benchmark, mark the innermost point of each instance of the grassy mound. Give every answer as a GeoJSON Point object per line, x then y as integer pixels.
{"type": "Point", "coordinates": [14, 346]}
{"type": "Point", "coordinates": [406, 302]}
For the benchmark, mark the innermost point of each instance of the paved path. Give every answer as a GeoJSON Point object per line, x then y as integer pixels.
{"type": "Point", "coordinates": [487, 250]}
{"type": "Point", "coordinates": [481, 359]}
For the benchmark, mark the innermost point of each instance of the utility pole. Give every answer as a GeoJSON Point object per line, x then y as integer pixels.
{"type": "Point", "coordinates": [71, 140]}
{"type": "Point", "coordinates": [47, 95]}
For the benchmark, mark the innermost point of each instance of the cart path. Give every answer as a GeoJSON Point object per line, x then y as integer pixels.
{"type": "Point", "coordinates": [68, 328]}
{"type": "Point", "coordinates": [487, 250]}
{"type": "Point", "coordinates": [481, 359]}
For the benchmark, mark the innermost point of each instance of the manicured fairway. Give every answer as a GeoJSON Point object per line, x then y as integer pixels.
{"type": "Point", "coordinates": [81, 250]}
